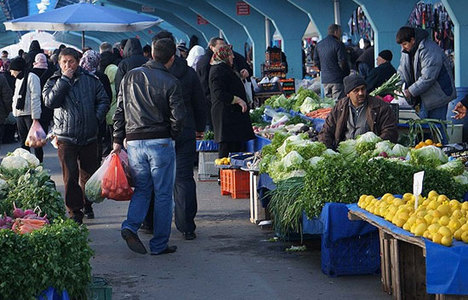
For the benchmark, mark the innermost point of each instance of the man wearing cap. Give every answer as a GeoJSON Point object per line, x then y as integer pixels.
{"type": "Point", "coordinates": [377, 76]}
{"type": "Point", "coordinates": [358, 113]}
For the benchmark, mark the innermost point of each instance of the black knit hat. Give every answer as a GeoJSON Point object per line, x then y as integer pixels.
{"type": "Point", "coordinates": [386, 54]}
{"type": "Point", "coordinates": [17, 64]}
{"type": "Point", "coordinates": [353, 81]}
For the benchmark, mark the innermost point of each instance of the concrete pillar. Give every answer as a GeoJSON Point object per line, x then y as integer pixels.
{"type": "Point", "coordinates": [320, 13]}
{"type": "Point", "coordinates": [252, 24]}
{"type": "Point", "coordinates": [386, 17]}
{"type": "Point", "coordinates": [457, 10]}
{"type": "Point", "coordinates": [233, 32]}
{"type": "Point", "coordinates": [291, 23]}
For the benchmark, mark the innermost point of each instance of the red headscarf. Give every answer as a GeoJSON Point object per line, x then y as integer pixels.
{"type": "Point", "coordinates": [221, 54]}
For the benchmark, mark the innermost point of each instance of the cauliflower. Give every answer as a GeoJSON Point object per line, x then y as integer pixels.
{"type": "Point", "coordinates": [31, 159]}
{"type": "Point", "coordinates": [19, 152]}
{"type": "Point", "coordinates": [14, 162]}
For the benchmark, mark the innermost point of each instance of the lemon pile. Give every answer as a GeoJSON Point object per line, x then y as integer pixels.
{"type": "Point", "coordinates": [437, 218]}
{"type": "Point", "coordinates": [223, 161]}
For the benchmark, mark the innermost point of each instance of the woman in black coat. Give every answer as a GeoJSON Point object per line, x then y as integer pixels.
{"type": "Point", "coordinates": [229, 111]}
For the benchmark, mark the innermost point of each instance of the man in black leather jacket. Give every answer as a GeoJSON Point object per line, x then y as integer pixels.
{"type": "Point", "coordinates": [149, 115]}
{"type": "Point", "coordinates": [80, 104]}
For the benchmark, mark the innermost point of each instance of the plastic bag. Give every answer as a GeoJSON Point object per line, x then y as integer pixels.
{"type": "Point", "coordinates": [36, 135]}
{"type": "Point", "coordinates": [114, 183]}
{"type": "Point", "coordinates": [53, 294]}
{"type": "Point", "coordinates": [93, 189]}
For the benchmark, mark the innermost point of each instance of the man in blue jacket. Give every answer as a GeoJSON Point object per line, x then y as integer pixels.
{"type": "Point", "coordinates": [330, 59]}
{"type": "Point", "coordinates": [425, 70]}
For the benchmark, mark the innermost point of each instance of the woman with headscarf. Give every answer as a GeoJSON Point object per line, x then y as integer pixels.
{"type": "Point", "coordinates": [42, 69]}
{"type": "Point", "coordinates": [26, 105]}
{"type": "Point", "coordinates": [194, 56]}
{"type": "Point", "coordinates": [34, 49]}
{"type": "Point", "coordinates": [229, 111]}
{"type": "Point", "coordinates": [90, 62]}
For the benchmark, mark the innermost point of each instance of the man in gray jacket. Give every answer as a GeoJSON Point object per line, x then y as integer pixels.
{"type": "Point", "coordinates": [80, 104]}
{"type": "Point", "coordinates": [425, 70]}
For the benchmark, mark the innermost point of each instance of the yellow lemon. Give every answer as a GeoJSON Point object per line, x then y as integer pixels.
{"type": "Point", "coordinates": [454, 203]}
{"type": "Point", "coordinates": [433, 228]}
{"type": "Point", "coordinates": [427, 235]}
{"type": "Point", "coordinates": [445, 231]}
{"type": "Point", "coordinates": [397, 202]}
{"type": "Point", "coordinates": [457, 234]}
{"type": "Point", "coordinates": [454, 225]}
{"type": "Point", "coordinates": [428, 142]}
{"type": "Point", "coordinates": [464, 205]}
{"type": "Point", "coordinates": [420, 228]}
{"type": "Point", "coordinates": [457, 214]}
{"type": "Point", "coordinates": [421, 213]}
{"type": "Point", "coordinates": [444, 220]}
{"type": "Point", "coordinates": [446, 241]}
{"type": "Point", "coordinates": [407, 196]}
{"type": "Point", "coordinates": [400, 222]}
{"type": "Point", "coordinates": [433, 194]}
{"type": "Point", "coordinates": [433, 204]}
{"type": "Point", "coordinates": [436, 237]}
{"type": "Point", "coordinates": [436, 214]}
{"type": "Point", "coordinates": [462, 220]}
{"type": "Point", "coordinates": [442, 198]}
{"type": "Point", "coordinates": [464, 227]}
{"type": "Point", "coordinates": [444, 209]}
{"type": "Point", "coordinates": [428, 218]}
{"type": "Point", "coordinates": [464, 236]}
{"type": "Point", "coordinates": [426, 202]}
{"type": "Point", "coordinates": [407, 226]}
{"type": "Point", "coordinates": [403, 215]}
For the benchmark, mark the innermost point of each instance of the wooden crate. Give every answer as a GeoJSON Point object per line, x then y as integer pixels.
{"type": "Point", "coordinates": [257, 212]}
{"type": "Point", "coordinates": [403, 264]}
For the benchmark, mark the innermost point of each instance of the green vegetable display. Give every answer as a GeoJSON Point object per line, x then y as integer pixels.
{"type": "Point", "coordinates": [389, 87]}
{"type": "Point", "coordinates": [57, 255]}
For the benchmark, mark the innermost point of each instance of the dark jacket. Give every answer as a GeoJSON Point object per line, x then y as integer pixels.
{"type": "Point", "coordinates": [134, 58]}
{"type": "Point", "coordinates": [203, 70]}
{"type": "Point", "coordinates": [367, 57]}
{"type": "Point", "coordinates": [34, 49]}
{"type": "Point", "coordinates": [150, 105]}
{"type": "Point", "coordinates": [108, 58]}
{"type": "Point", "coordinates": [427, 73]}
{"type": "Point", "coordinates": [80, 104]}
{"type": "Point", "coordinates": [192, 93]}
{"type": "Point", "coordinates": [379, 75]}
{"type": "Point", "coordinates": [330, 58]}
{"type": "Point", "coordinates": [229, 123]}
{"type": "Point", "coordinates": [380, 119]}
{"type": "Point", "coordinates": [6, 95]}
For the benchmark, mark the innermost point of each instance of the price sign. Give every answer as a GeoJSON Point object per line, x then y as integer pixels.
{"type": "Point", "coordinates": [417, 187]}
{"type": "Point", "coordinates": [242, 8]}
{"type": "Point", "coordinates": [201, 20]}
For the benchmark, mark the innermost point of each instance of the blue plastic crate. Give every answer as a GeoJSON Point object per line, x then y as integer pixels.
{"type": "Point", "coordinates": [356, 255]}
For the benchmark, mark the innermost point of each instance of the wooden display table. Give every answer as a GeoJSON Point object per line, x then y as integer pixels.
{"type": "Point", "coordinates": [403, 264]}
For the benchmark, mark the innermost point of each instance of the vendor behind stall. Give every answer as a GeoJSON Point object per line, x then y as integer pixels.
{"type": "Point", "coordinates": [358, 113]}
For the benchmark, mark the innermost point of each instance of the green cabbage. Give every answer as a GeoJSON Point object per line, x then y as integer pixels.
{"type": "Point", "coordinates": [428, 156]}
{"type": "Point", "coordinates": [366, 142]}
{"type": "Point", "coordinates": [400, 150]}
{"type": "Point", "coordinates": [454, 167]}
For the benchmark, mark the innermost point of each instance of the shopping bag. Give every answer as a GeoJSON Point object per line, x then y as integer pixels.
{"type": "Point", "coordinates": [93, 188]}
{"type": "Point", "coordinates": [53, 294]}
{"type": "Point", "coordinates": [248, 90]}
{"type": "Point", "coordinates": [115, 185]}
{"type": "Point", "coordinates": [36, 135]}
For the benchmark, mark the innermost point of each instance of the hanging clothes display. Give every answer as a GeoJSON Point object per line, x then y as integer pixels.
{"type": "Point", "coordinates": [435, 18]}
{"type": "Point", "coordinates": [359, 26]}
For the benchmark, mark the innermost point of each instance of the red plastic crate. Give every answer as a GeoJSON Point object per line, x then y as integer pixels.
{"type": "Point", "coordinates": [235, 182]}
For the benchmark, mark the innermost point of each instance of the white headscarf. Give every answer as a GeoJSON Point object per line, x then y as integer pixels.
{"type": "Point", "coordinates": [194, 55]}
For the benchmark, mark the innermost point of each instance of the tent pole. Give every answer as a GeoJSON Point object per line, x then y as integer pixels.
{"type": "Point", "coordinates": [82, 41]}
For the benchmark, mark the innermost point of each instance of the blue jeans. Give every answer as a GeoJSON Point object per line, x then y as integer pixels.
{"type": "Point", "coordinates": [439, 113]}
{"type": "Point", "coordinates": [152, 164]}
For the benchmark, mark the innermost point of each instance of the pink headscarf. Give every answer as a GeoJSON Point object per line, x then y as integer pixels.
{"type": "Point", "coordinates": [40, 61]}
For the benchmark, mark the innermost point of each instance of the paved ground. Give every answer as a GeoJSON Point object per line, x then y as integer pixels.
{"type": "Point", "coordinates": [230, 259]}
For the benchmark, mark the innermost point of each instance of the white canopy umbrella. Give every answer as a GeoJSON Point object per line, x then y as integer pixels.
{"type": "Point", "coordinates": [46, 40]}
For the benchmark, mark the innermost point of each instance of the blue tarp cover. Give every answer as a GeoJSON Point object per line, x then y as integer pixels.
{"type": "Point", "coordinates": [446, 267]}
